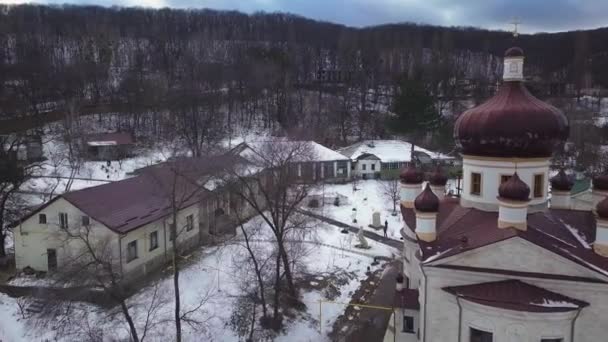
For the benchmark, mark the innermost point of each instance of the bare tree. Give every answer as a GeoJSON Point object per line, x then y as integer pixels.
{"type": "Point", "coordinates": [275, 194]}
{"type": "Point", "coordinates": [391, 188]}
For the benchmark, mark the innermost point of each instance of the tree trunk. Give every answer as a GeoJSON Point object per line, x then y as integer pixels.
{"type": "Point", "coordinates": [288, 275]}
{"type": "Point", "coordinates": [125, 312]}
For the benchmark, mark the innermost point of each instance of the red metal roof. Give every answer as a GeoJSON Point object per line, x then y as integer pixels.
{"type": "Point", "coordinates": [513, 123]}
{"type": "Point", "coordinates": [516, 295]}
{"type": "Point", "coordinates": [567, 233]}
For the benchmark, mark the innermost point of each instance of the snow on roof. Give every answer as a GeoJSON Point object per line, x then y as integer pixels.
{"type": "Point", "coordinates": [388, 150]}
{"type": "Point", "coordinates": [318, 151]}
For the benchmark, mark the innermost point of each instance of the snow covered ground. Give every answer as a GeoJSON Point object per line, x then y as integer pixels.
{"type": "Point", "coordinates": [215, 275]}
{"type": "Point", "coordinates": [368, 199]}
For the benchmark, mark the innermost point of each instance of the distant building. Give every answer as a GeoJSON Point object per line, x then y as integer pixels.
{"type": "Point", "coordinates": [384, 158]}
{"type": "Point", "coordinates": [109, 146]}
{"type": "Point", "coordinates": [134, 215]}
{"type": "Point", "coordinates": [24, 148]}
{"type": "Point", "coordinates": [318, 163]}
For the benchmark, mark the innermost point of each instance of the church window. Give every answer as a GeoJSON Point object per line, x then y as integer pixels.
{"type": "Point", "coordinates": [408, 324]}
{"type": "Point", "coordinates": [504, 178]}
{"type": "Point", "coordinates": [480, 336]}
{"type": "Point", "coordinates": [475, 183]}
{"type": "Point", "coordinates": [538, 185]}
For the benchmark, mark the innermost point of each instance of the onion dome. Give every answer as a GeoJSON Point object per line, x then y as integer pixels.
{"type": "Point", "coordinates": [600, 182]}
{"type": "Point", "coordinates": [427, 201]}
{"type": "Point", "coordinates": [514, 51]}
{"type": "Point", "coordinates": [411, 175]}
{"type": "Point", "coordinates": [438, 177]}
{"type": "Point", "coordinates": [514, 189]}
{"type": "Point", "coordinates": [561, 181]}
{"type": "Point", "coordinates": [602, 209]}
{"type": "Point", "coordinates": [513, 123]}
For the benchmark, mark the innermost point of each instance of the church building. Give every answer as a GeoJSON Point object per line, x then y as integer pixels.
{"type": "Point", "coordinates": [506, 261]}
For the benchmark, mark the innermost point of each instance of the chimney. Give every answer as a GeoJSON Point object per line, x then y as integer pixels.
{"type": "Point", "coordinates": [411, 185]}
{"type": "Point", "coordinates": [513, 198]}
{"type": "Point", "coordinates": [600, 246]}
{"type": "Point", "coordinates": [427, 207]}
{"type": "Point", "coordinates": [561, 185]}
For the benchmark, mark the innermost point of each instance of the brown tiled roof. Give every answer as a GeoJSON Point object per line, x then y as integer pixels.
{"type": "Point", "coordinates": [407, 299]}
{"type": "Point", "coordinates": [516, 295]}
{"type": "Point", "coordinates": [130, 203]}
{"type": "Point", "coordinates": [568, 233]}
{"type": "Point", "coordinates": [121, 138]}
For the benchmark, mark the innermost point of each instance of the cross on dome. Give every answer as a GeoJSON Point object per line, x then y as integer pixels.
{"type": "Point", "coordinates": [515, 24]}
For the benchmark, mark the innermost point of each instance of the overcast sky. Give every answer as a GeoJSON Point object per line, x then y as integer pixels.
{"type": "Point", "coordinates": [535, 15]}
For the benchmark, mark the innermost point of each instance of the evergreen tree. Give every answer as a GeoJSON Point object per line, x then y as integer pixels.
{"type": "Point", "coordinates": [415, 112]}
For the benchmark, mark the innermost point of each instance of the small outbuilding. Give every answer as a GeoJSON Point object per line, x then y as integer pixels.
{"type": "Point", "coordinates": [109, 146]}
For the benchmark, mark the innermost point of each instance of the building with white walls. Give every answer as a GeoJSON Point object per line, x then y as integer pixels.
{"type": "Point", "coordinates": [505, 261]}
{"type": "Point", "coordinates": [384, 158]}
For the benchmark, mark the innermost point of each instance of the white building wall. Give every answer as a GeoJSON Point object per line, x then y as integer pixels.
{"type": "Point", "coordinates": [32, 239]}
{"type": "Point", "coordinates": [491, 170]}
{"type": "Point", "coordinates": [443, 315]}
{"type": "Point", "coordinates": [517, 255]}
{"type": "Point", "coordinates": [364, 167]}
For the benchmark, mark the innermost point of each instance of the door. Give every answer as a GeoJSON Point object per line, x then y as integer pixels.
{"type": "Point", "coordinates": [51, 255]}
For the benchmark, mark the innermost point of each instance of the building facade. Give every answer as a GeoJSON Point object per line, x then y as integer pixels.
{"type": "Point", "coordinates": [505, 261]}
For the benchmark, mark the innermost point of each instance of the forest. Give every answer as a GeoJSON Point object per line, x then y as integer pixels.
{"type": "Point", "coordinates": [198, 72]}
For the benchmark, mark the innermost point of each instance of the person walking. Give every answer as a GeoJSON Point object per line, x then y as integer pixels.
{"type": "Point", "coordinates": [385, 227]}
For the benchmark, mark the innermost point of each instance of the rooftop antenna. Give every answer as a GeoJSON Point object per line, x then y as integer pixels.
{"type": "Point", "coordinates": [515, 24]}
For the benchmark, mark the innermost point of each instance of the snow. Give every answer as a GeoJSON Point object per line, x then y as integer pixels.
{"type": "Point", "coordinates": [215, 273]}
{"type": "Point", "coordinates": [577, 235]}
{"type": "Point", "coordinates": [319, 152]}
{"type": "Point", "coordinates": [549, 303]}
{"type": "Point", "coordinates": [367, 200]}
{"type": "Point", "coordinates": [437, 255]}
{"type": "Point", "coordinates": [101, 143]}
{"type": "Point", "coordinates": [388, 151]}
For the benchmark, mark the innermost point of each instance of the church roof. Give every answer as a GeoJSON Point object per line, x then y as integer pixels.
{"type": "Point", "coordinates": [568, 233]}
{"type": "Point", "coordinates": [516, 295]}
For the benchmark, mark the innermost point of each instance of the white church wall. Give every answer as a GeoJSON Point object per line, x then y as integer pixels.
{"type": "Point", "coordinates": [442, 309]}
{"type": "Point", "coordinates": [491, 170]}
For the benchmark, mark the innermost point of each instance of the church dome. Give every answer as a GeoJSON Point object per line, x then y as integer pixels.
{"type": "Point", "coordinates": [561, 182]}
{"type": "Point", "coordinates": [602, 209]}
{"type": "Point", "coordinates": [427, 201]}
{"type": "Point", "coordinates": [600, 182]}
{"type": "Point", "coordinates": [411, 175]}
{"type": "Point", "coordinates": [514, 189]}
{"type": "Point", "coordinates": [514, 51]}
{"type": "Point", "coordinates": [438, 177]}
{"type": "Point", "coordinates": [513, 123]}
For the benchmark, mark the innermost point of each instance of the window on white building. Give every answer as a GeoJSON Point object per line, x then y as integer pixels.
{"type": "Point", "coordinates": [86, 221]}
{"type": "Point", "coordinates": [42, 218]}
{"type": "Point", "coordinates": [63, 220]}
{"type": "Point", "coordinates": [475, 183]}
{"type": "Point", "coordinates": [189, 223]}
{"type": "Point", "coordinates": [363, 167]}
{"type": "Point", "coordinates": [373, 167]}
{"type": "Point", "coordinates": [539, 181]}
{"type": "Point", "coordinates": [480, 336]}
{"type": "Point", "coordinates": [408, 324]}
{"type": "Point", "coordinates": [132, 251]}
{"type": "Point", "coordinates": [153, 240]}
{"type": "Point", "coordinates": [552, 340]}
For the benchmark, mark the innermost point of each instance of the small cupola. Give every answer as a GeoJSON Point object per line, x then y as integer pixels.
{"type": "Point", "coordinates": [411, 185]}
{"type": "Point", "coordinates": [438, 179]}
{"type": "Point", "coordinates": [600, 246]}
{"type": "Point", "coordinates": [426, 206]}
{"type": "Point", "coordinates": [513, 198]}
{"type": "Point", "coordinates": [561, 185]}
